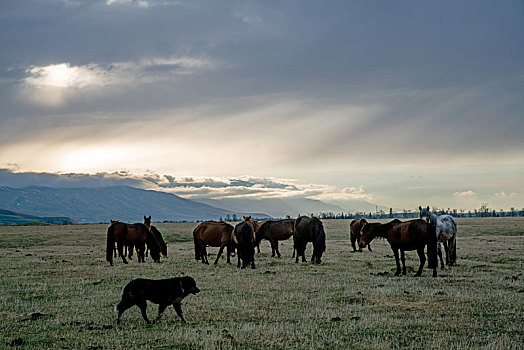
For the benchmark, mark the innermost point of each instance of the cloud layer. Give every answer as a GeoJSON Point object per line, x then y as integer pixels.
{"type": "Point", "coordinates": [406, 101]}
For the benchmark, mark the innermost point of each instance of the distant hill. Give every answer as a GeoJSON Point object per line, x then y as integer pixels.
{"type": "Point", "coordinates": [8, 217]}
{"type": "Point", "coordinates": [90, 205]}
{"type": "Point", "coordinates": [276, 207]}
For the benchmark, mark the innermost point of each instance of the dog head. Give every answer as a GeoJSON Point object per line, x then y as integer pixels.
{"type": "Point", "coordinates": [189, 285]}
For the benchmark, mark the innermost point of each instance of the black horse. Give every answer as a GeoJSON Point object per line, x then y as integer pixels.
{"type": "Point", "coordinates": [309, 230]}
{"type": "Point", "coordinates": [244, 241]}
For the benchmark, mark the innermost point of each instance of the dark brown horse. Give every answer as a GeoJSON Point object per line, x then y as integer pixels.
{"type": "Point", "coordinates": [244, 240]}
{"type": "Point", "coordinates": [256, 225]}
{"type": "Point", "coordinates": [309, 230]}
{"type": "Point", "coordinates": [275, 231]}
{"type": "Point", "coordinates": [147, 222]}
{"type": "Point", "coordinates": [405, 236]}
{"type": "Point", "coordinates": [159, 239]}
{"type": "Point", "coordinates": [214, 234]}
{"type": "Point", "coordinates": [354, 233]}
{"type": "Point", "coordinates": [131, 235]}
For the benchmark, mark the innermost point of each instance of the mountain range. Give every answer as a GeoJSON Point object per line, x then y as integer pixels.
{"type": "Point", "coordinates": [130, 204]}
{"type": "Point", "coordinates": [88, 205]}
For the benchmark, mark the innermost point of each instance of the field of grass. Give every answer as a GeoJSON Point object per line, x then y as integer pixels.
{"type": "Point", "coordinates": [57, 291]}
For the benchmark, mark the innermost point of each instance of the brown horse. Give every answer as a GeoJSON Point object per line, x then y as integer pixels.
{"type": "Point", "coordinates": [354, 233]}
{"type": "Point", "coordinates": [275, 231]}
{"type": "Point", "coordinates": [132, 235]}
{"type": "Point", "coordinates": [405, 236]}
{"type": "Point", "coordinates": [309, 230]}
{"type": "Point", "coordinates": [244, 239]}
{"type": "Point", "coordinates": [214, 234]}
{"type": "Point", "coordinates": [256, 225]}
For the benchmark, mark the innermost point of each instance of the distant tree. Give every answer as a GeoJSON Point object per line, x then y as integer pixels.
{"type": "Point", "coordinates": [228, 218]}
{"type": "Point", "coordinates": [483, 210]}
{"type": "Point", "coordinates": [220, 219]}
{"type": "Point", "coordinates": [234, 218]}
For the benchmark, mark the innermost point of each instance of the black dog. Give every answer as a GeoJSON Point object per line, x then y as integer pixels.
{"type": "Point", "coordinates": [163, 292]}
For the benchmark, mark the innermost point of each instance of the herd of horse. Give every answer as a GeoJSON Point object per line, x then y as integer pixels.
{"type": "Point", "coordinates": [429, 230]}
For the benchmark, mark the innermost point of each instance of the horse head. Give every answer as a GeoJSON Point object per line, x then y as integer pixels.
{"type": "Point", "coordinates": [147, 222]}
{"type": "Point", "coordinates": [366, 235]}
{"type": "Point", "coordinates": [424, 213]}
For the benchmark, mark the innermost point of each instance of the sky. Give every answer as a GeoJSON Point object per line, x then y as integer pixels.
{"type": "Point", "coordinates": [401, 103]}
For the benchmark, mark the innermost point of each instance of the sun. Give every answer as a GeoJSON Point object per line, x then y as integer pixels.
{"type": "Point", "coordinates": [55, 75]}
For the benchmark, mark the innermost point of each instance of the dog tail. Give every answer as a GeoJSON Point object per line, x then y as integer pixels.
{"type": "Point", "coordinates": [110, 244]}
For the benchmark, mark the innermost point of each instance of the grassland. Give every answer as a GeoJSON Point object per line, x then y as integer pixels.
{"type": "Point", "coordinates": [57, 291]}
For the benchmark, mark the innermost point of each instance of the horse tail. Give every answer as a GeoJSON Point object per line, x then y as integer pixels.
{"type": "Point", "coordinates": [260, 233]}
{"type": "Point", "coordinates": [197, 245]}
{"type": "Point", "coordinates": [110, 244]}
{"type": "Point", "coordinates": [432, 247]}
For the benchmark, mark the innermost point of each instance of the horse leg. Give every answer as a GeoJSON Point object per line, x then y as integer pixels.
{"type": "Point", "coordinates": [446, 248]}
{"type": "Point", "coordinates": [403, 259]}
{"type": "Point", "coordinates": [276, 248]}
{"type": "Point", "coordinates": [204, 256]}
{"type": "Point", "coordinates": [161, 309]}
{"type": "Point", "coordinates": [439, 253]}
{"type": "Point", "coordinates": [453, 250]}
{"type": "Point", "coordinates": [121, 252]}
{"type": "Point", "coordinates": [395, 252]}
{"type": "Point", "coordinates": [369, 247]}
{"type": "Point", "coordinates": [304, 253]}
{"type": "Point", "coordinates": [141, 248]}
{"type": "Point", "coordinates": [129, 249]}
{"type": "Point", "coordinates": [422, 257]}
{"type": "Point", "coordinates": [219, 253]}
{"type": "Point", "coordinates": [228, 251]}
{"type": "Point", "coordinates": [238, 259]}
{"type": "Point", "coordinates": [353, 240]}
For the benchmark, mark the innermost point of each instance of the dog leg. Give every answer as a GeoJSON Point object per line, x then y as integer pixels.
{"type": "Point", "coordinates": [121, 307]}
{"type": "Point", "coordinates": [161, 309]}
{"type": "Point", "coordinates": [178, 309]}
{"type": "Point", "coordinates": [143, 307]}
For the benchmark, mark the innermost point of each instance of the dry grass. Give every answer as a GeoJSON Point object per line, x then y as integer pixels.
{"type": "Point", "coordinates": [58, 292]}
